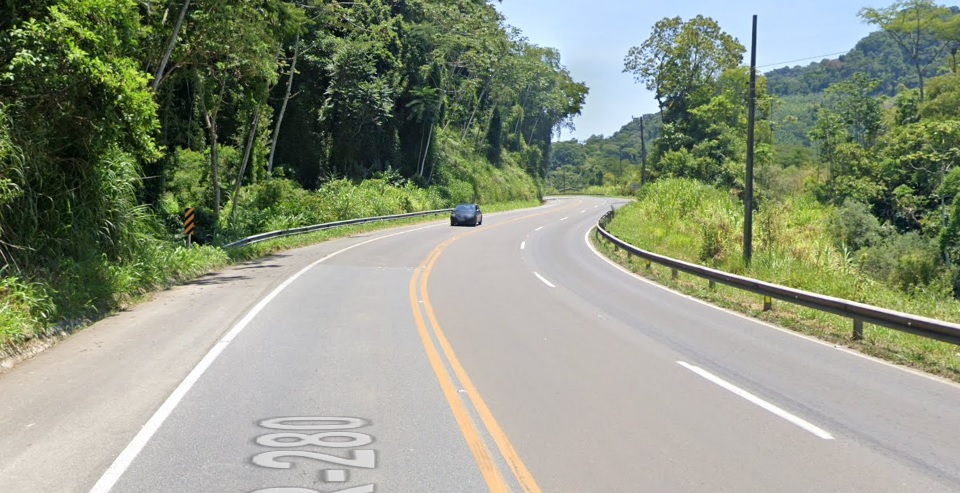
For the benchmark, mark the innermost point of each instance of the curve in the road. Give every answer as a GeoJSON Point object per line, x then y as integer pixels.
{"type": "Point", "coordinates": [481, 453]}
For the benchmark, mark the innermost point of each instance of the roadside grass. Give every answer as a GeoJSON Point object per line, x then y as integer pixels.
{"type": "Point", "coordinates": [697, 223]}
{"type": "Point", "coordinates": [83, 292]}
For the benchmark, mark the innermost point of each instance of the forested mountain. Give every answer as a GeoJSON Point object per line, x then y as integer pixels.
{"type": "Point", "coordinates": [876, 55]}
{"type": "Point", "coordinates": [115, 115]}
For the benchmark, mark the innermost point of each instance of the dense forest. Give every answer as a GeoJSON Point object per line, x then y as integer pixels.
{"type": "Point", "coordinates": [873, 138]}
{"type": "Point", "coordinates": [116, 115]}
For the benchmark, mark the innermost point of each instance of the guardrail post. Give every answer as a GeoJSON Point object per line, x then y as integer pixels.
{"type": "Point", "coordinates": [674, 273]}
{"type": "Point", "coordinates": [649, 264]}
{"type": "Point", "coordinates": [712, 284]}
{"type": "Point", "coordinates": [767, 303]}
{"type": "Point", "coordinates": [857, 329]}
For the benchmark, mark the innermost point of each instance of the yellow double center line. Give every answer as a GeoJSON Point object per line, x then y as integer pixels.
{"type": "Point", "coordinates": [488, 465]}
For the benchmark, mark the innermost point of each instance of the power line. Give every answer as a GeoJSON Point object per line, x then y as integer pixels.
{"type": "Point", "coordinates": [820, 57]}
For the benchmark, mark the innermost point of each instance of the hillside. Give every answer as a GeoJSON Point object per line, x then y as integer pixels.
{"type": "Point", "coordinates": [876, 55]}
{"type": "Point", "coordinates": [116, 116]}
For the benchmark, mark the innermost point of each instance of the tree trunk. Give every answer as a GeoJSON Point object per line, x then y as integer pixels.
{"type": "Point", "coordinates": [211, 120]}
{"type": "Point", "coordinates": [426, 152]}
{"type": "Point", "coordinates": [473, 113]}
{"type": "Point", "coordinates": [920, 76]}
{"type": "Point", "coordinates": [170, 46]}
{"type": "Point", "coordinates": [533, 129]}
{"type": "Point", "coordinates": [214, 164]}
{"type": "Point", "coordinates": [283, 107]}
{"type": "Point", "coordinates": [243, 165]}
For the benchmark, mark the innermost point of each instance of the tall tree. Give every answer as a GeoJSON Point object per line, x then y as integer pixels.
{"type": "Point", "coordinates": [913, 24]}
{"type": "Point", "coordinates": [231, 54]}
{"type": "Point", "coordinates": [680, 62]}
{"type": "Point", "coordinates": [857, 107]}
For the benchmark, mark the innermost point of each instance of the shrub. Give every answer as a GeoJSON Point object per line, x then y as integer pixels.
{"type": "Point", "coordinates": [905, 261]}
{"type": "Point", "coordinates": [854, 226]}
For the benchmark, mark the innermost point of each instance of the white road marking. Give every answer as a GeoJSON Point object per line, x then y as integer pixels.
{"type": "Point", "coordinates": [335, 475]}
{"type": "Point", "coordinates": [564, 219]}
{"type": "Point", "coordinates": [523, 245]}
{"type": "Point", "coordinates": [758, 401]}
{"type": "Point", "coordinates": [934, 378]}
{"type": "Point", "coordinates": [581, 212]}
{"type": "Point", "coordinates": [127, 456]}
{"type": "Point", "coordinates": [538, 229]}
{"type": "Point", "coordinates": [548, 283]}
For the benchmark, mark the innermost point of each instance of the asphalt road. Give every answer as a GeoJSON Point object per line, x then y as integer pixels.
{"type": "Point", "coordinates": [509, 357]}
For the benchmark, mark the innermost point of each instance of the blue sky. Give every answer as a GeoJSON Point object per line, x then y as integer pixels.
{"type": "Point", "coordinates": [593, 38]}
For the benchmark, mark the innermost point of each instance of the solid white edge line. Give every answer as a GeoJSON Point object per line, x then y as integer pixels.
{"type": "Point", "coordinates": [798, 335]}
{"type": "Point", "coordinates": [548, 283]}
{"type": "Point", "coordinates": [127, 456]}
{"type": "Point", "coordinates": [523, 245]}
{"type": "Point", "coordinates": [820, 432]}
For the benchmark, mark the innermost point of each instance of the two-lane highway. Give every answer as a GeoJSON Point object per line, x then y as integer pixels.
{"type": "Point", "coordinates": [509, 357]}
{"type": "Point", "coordinates": [605, 382]}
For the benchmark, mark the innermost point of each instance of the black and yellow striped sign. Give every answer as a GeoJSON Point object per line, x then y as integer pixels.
{"type": "Point", "coordinates": [189, 224]}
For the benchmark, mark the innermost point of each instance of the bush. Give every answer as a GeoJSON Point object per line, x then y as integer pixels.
{"type": "Point", "coordinates": [906, 261]}
{"type": "Point", "coordinates": [25, 309]}
{"type": "Point", "coordinates": [852, 225]}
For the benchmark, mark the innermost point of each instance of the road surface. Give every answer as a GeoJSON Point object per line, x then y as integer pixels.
{"type": "Point", "coordinates": [509, 357]}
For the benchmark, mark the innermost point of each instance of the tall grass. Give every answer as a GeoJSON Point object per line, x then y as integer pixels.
{"type": "Point", "coordinates": [695, 222]}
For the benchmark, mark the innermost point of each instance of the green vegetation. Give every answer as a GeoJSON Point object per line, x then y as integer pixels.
{"type": "Point", "coordinates": [258, 250]}
{"type": "Point", "coordinates": [795, 246]}
{"type": "Point", "coordinates": [115, 116]}
{"type": "Point", "coordinates": [611, 166]}
{"type": "Point", "coordinates": [856, 178]}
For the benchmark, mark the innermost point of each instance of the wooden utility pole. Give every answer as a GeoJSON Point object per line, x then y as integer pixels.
{"type": "Point", "coordinates": [751, 122]}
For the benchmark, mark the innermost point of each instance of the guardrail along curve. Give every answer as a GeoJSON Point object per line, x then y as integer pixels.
{"type": "Point", "coordinates": [858, 312]}
{"type": "Point", "coordinates": [250, 240]}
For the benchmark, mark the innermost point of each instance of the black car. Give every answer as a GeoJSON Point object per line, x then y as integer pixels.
{"type": "Point", "coordinates": [466, 214]}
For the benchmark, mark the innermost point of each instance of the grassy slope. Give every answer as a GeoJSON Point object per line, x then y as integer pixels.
{"type": "Point", "coordinates": [694, 222]}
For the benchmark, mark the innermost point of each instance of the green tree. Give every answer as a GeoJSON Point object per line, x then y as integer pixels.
{"type": "Point", "coordinates": [943, 98]}
{"type": "Point", "coordinates": [913, 25]}
{"type": "Point", "coordinates": [858, 109]}
{"type": "Point", "coordinates": [681, 61]}
{"type": "Point", "coordinates": [917, 159]}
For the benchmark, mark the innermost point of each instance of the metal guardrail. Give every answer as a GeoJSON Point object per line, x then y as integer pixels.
{"type": "Point", "coordinates": [858, 312]}
{"type": "Point", "coordinates": [250, 240]}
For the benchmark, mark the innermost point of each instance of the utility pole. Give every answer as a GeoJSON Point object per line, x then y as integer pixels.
{"type": "Point", "coordinates": [751, 122]}
{"type": "Point", "coordinates": [643, 155]}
